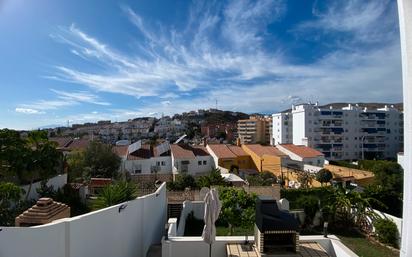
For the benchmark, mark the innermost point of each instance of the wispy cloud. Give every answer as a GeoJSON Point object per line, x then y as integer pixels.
{"type": "Point", "coordinates": [222, 54]}
{"type": "Point", "coordinates": [28, 111]}
{"type": "Point", "coordinates": [63, 99]}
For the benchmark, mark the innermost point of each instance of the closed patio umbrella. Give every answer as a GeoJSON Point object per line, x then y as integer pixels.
{"type": "Point", "coordinates": [212, 210]}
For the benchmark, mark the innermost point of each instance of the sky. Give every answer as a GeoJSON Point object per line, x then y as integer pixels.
{"type": "Point", "coordinates": [79, 61]}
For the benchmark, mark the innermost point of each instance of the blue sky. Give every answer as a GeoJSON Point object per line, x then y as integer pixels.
{"type": "Point", "coordinates": [90, 60]}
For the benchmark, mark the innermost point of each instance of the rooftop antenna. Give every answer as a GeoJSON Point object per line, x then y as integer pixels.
{"type": "Point", "coordinates": [216, 104]}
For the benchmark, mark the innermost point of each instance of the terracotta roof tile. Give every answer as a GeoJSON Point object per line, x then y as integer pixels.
{"type": "Point", "coordinates": [302, 151]}
{"type": "Point", "coordinates": [120, 150]}
{"type": "Point", "coordinates": [261, 150]}
{"type": "Point", "coordinates": [237, 150]}
{"type": "Point", "coordinates": [222, 151]}
{"type": "Point", "coordinates": [182, 152]}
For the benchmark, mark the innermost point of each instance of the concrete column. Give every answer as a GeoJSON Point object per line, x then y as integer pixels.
{"type": "Point", "coordinates": [405, 26]}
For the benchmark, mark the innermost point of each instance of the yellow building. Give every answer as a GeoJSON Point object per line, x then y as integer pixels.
{"type": "Point", "coordinates": [230, 157]}
{"type": "Point", "coordinates": [266, 158]}
{"type": "Point", "coordinates": [255, 130]}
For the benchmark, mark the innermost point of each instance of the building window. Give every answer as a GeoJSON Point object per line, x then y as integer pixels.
{"type": "Point", "coordinates": [199, 163]}
{"type": "Point", "coordinates": [137, 171]}
{"type": "Point", "coordinates": [163, 163]}
{"type": "Point", "coordinates": [157, 163]}
{"type": "Point", "coordinates": [204, 162]}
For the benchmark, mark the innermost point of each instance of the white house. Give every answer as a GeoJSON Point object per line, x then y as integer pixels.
{"type": "Point", "coordinates": [193, 160]}
{"type": "Point", "coordinates": [146, 159]}
{"type": "Point", "coordinates": [303, 154]}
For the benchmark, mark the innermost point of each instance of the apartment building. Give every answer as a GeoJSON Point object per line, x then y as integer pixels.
{"type": "Point", "coordinates": [347, 133]}
{"type": "Point", "coordinates": [255, 130]}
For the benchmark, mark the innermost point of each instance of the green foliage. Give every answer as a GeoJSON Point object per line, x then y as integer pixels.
{"type": "Point", "coordinates": [293, 195]}
{"type": "Point", "coordinates": [114, 194]}
{"type": "Point", "coordinates": [10, 203]}
{"type": "Point", "coordinates": [386, 231]}
{"type": "Point", "coordinates": [324, 176]}
{"type": "Point", "coordinates": [212, 179]}
{"type": "Point", "coordinates": [98, 160]}
{"type": "Point", "coordinates": [101, 160]}
{"type": "Point", "coordinates": [387, 187]}
{"type": "Point", "coordinates": [310, 204]}
{"type": "Point", "coordinates": [66, 195]}
{"type": "Point", "coordinates": [182, 182]}
{"type": "Point", "coordinates": [238, 207]}
{"type": "Point", "coordinates": [264, 178]}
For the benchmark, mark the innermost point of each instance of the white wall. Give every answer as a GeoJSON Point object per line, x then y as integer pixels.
{"type": "Point", "coordinates": [195, 247]}
{"type": "Point", "coordinates": [193, 167]}
{"type": "Point", "coordinates": [405, 28]}
{"type": "Point", "coordinates": [101, 233]}
{"type": "Point", "coordinates": [146, 164]}
{"type": "Point", "coordinates": [57, 182]}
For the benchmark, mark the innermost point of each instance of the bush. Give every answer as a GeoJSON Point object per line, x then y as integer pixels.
{"type": "Point", "coordinates": [182, 182]}
{"type": "Point", "coordinates": [386, 231]}
{"type": "Point", "coordinates": [321, 193]}
{"type": "Point", "coordinates": [310, 204]}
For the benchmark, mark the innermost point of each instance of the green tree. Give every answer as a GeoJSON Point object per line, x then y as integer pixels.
{"type": "Point", "coordinates": [101, 161]}
{"type": "Point", "coordinates": [264, 178]}
{"type": "Point", "coordinates": [182, 182]}
{"type": "Point", "coordinates": [10, 194]}
{"type": "Point", "coordinates": [324, 176]}
{"type": "Point", "coordinates": [114, 194]}
{"type": "Point", "coordinates": [238, 207]}
{"type": "Point", "coordinates": [212, 179]}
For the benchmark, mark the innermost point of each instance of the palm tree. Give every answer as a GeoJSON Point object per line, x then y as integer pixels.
{"type": "Point", "coordinates": [114, 194]}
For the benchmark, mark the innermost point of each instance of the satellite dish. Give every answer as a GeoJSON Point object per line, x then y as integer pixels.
{"type": "Point", "coordinates": [203, 192]}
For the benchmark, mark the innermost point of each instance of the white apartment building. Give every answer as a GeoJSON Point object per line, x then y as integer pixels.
{"type": "Point", "coordinates": [348, 133]}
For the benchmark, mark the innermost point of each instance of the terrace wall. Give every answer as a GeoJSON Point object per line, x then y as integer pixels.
{"type": "Point", "coordinates": [106, 232]}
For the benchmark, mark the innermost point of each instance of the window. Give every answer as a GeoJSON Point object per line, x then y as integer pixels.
{"type": "Point", "coordinates": [157, 163]}
{"type": "Point", "coordinates": [199, 163]}
{"type": "Point", "coordinates": [204, 162]}
{"type": "Point", "coordinates": [138, 171]}
{"type": "Point", "coordinates": [163, 163]}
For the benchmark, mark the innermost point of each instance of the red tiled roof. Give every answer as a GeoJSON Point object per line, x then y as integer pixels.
{"type": "Point", "coordinates": [261, 150]}
{"type": "Point", "coordinates": [79, 144]}
{"type": "Point", "coordinates": [120, 150]}
{"type": "Point", "coordinates": [302, 151]}
{"type": "Point", "coordinates": [180, 152]}
{"type": "Point", "coordinates": [62, 142]}
{"type": "Point", "coordinates": [222, 151]}
{"type": "Point", "coordinates": [237, 150]}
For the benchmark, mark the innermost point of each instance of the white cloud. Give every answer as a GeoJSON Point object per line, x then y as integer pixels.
{"type": "Point", "coordinates": [362, 64]}
{"type": "Point", "coordinates": [63, 99]}
{"type": "Point", "coordinates": [28, 111]}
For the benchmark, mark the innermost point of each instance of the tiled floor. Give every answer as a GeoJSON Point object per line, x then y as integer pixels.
{"type": "Point", "coordinates": [307, 249]}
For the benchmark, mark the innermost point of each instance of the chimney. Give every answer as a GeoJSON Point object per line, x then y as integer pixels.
{"type": "Point", "coordinates": [238, 141]}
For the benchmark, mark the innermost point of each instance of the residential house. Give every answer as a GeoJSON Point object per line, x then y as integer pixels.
{"type": "Point", "coordinates": [303, 155]}
{"type": "Point", "coordinates": [193, 160]}
{"type": "Point", "coordinates": [266, 158]}
{"type": "Point", "coordinates": [229, 157]}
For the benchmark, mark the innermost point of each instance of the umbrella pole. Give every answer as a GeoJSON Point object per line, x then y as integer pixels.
{"type": "Point", "coordinates": [210, 250]}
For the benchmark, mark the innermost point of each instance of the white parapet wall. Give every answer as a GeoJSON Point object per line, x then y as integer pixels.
{"type": "Point", "coordinates": [57, 182]}
{"type": "Point", "coordinates": [195, 247]}
{"type": "Point", "coordinates": [113, 231]}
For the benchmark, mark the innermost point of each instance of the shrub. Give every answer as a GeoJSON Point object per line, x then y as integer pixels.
{"type": "Point", "coordinates": [386, 231]}
{"type": "Point", "coordinates": [310, 204]}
